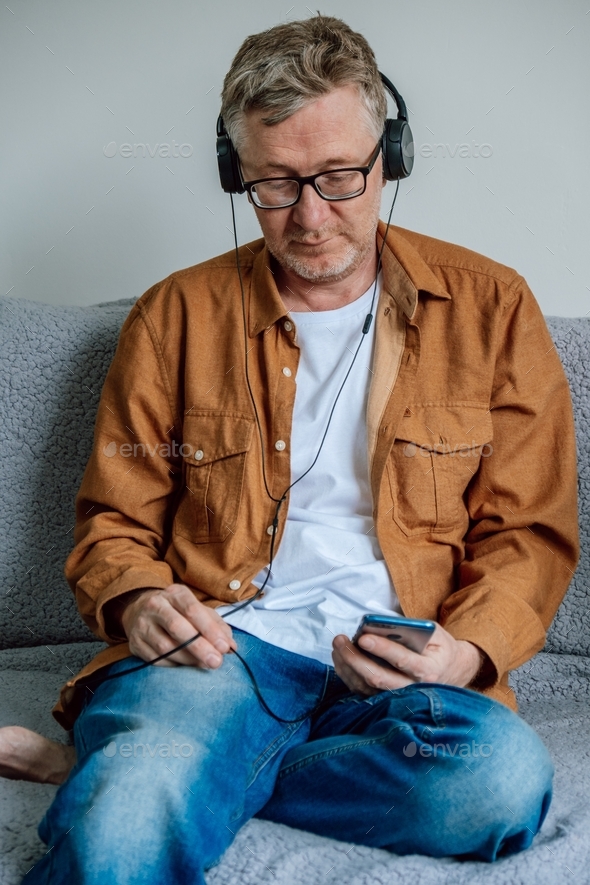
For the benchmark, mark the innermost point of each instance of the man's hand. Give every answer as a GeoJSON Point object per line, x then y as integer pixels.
{"type": "Point", "coordinates": [445, 659]}
{"type": "Point", "coordinates": [158, 620]}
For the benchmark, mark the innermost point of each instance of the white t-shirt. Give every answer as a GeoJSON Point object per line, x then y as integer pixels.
{"type": "Point", "coordinates": [329, 569]}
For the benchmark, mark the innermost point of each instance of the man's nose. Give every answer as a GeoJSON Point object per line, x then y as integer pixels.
{"type": "Point", "coordinates": [311, 211]}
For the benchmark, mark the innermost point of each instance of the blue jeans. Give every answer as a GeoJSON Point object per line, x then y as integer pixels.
{"type": "Point", "coordinates": [173, 761]}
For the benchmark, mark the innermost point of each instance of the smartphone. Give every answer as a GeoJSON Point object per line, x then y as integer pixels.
{"type": "Point", "coordinates": [412, 633]}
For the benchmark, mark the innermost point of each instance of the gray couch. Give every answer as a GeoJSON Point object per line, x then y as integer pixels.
{"type": "Point", "coordinates": [54, 360]}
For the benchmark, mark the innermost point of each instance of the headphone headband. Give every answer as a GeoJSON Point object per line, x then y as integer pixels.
{"type": "Point", "coordinates": [397, 147]}
{"type": "Point", "coordinates": [402, 111]}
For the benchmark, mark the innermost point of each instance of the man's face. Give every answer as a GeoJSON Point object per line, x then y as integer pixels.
{"type": "Point", "coordinates": [320, 241]}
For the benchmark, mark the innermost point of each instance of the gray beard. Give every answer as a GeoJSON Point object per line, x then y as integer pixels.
{"type": "Point", "coordinates": [339, 271]}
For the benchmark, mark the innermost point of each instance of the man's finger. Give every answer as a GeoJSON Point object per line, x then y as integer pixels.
{"type": "Point", "coordinates": [206, 648]}
{"type": "Point", "coordinates": [143, 650]}
{"type": "Point", "coordinates": [400, 657]}
{"type": "Point", "coordinates": [205, 620]}
{"type": "Point", "coordinates": [353, 671]}
{"type": "Point", "coordinates": [162, 636]}
{"type": "Point", "coordinates": [370, 671]}
{"type": "Point", "coordinates": [152, 642]}
{"type": "Point", "coordinates": [350, 677]}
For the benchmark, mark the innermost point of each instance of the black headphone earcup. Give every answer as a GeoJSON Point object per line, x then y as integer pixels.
{"type": "Point", "coordinates": [398, 149]}
{"type": "Point", "coordinates": [227, 164]}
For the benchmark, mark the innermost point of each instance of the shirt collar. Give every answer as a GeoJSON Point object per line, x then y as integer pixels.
{"type": "Point", "coordinates": [266, 305]}
{"type": "Point", "coordinates": [405, 275]}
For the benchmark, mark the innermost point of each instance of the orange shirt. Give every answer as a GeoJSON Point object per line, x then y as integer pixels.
{"type": "Point", "coordinates": [471, 449]}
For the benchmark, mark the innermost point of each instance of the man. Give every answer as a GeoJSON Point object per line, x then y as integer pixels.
{"type": "Point", "coordinates": [420, 476]}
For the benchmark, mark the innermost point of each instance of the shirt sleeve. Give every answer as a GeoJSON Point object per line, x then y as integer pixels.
{"type": "Point", "coordinates": [126, 498]}
{"type": "Point", "coordinates": [522, 545]}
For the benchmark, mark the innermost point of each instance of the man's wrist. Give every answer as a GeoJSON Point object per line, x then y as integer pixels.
{"type": "Point", "coordinates": [470, 661]}
{"type": "Point", "coordinates": [482, 670]}
{"type": "Point", "coordinates": [114, 609]}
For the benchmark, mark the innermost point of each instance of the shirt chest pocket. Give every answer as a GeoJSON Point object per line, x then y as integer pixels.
{"type": "Point", "coordinates": [214, 453]}
{"type": "Point", "coordinates": [435, 456]}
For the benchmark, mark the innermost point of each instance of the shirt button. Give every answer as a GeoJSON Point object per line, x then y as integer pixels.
{"type": "Point", "coordinates": [235, 585]}
{"type": "Point", "coordinates": [270, 530]}
{"type": "Point", "coordinates": [288, 326]}
{"type": "Point", "coordinates": [198, 455]}
{"type": "Point", "coordinates": [287, 371]}
{"type": "Point", "coordinates": [280, 445]}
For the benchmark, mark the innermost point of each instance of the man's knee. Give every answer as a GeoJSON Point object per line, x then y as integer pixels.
{"type": "Point", "coordinates": [480, 776]}
{"type": "Point", "coordinates": [507, 780]}
{"type": "Point", "coordinates": [137, 797]}
{"type": "Point", "coordinates": [523, 776]}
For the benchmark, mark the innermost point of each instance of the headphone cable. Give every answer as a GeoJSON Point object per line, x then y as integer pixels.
{"type": "Point", "coordinates": [278, 501]}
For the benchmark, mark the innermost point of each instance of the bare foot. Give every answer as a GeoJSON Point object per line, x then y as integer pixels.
{"type": "Point", "coordinates": [28, 756]}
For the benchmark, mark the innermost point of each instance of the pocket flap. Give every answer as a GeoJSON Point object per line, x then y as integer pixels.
{"type": "Point", "coordinates": [211, 436]}
{"type": "Point", "coordinates": [446, 428]}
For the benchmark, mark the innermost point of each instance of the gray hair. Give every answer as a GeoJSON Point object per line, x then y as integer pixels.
{"type": "Point", "coordinates": [281, 70]}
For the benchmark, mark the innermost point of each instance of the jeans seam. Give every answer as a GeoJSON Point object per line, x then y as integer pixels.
{"type": "Point", "coordinates": [336, 751]}
{"type": "Point", "coordinates": [272, 749]}
{"type": "Point", "coordinates": [437, 710]}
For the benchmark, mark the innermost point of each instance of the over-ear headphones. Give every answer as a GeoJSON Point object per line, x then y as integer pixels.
{"type": "Point", "coordinates": [397, 147]}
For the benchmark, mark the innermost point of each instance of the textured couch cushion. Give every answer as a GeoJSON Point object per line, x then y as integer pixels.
{"type": "Point", "coordinates": [570, 631]}
{"type": "Point", "coordinates": [53, 362]}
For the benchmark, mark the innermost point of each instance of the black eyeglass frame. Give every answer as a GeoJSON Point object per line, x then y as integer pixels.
{"type": "Point", "coordinates": [311, 179]}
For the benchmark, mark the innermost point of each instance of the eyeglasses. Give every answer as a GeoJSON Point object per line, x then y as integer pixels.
{"type": "Point", "coordinates": [337, 184]}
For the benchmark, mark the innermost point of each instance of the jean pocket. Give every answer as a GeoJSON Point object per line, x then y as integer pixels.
{"type": "Point", "coordinates": [214, 450]}
{"type": "Point", "coordinates": [435, 456]}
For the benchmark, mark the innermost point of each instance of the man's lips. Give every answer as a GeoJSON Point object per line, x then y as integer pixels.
{"type": "Point", "coordinates": [312, 243]}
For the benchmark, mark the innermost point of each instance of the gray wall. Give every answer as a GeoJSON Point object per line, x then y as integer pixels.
{"type": "Point", "coordinates": [80, 79]}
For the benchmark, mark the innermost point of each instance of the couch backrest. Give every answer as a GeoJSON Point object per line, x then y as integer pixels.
{"type": "Point", "coordinates": [54, 361]}
{"type": "Point", "coordinates": [570, 630]}
{"type": "Point", "coordinates": [53, 364]}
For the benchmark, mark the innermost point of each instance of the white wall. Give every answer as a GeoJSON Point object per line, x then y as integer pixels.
{"type": "Point", "coordinates": [79, 227]}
